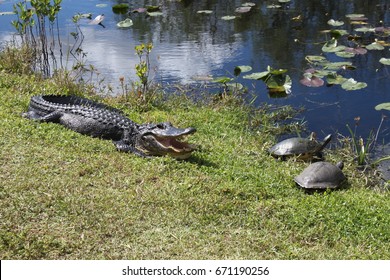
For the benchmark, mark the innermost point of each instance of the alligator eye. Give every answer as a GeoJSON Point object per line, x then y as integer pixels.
{"type": "Point", "coordinates": [161, 125]}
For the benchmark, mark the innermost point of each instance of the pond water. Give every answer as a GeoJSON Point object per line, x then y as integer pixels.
{"type": "Point", "coordinates": [189, 44]}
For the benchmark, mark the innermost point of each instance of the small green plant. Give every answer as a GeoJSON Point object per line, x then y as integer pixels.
{"type": "Point", "coordinates": [33, 18]}
{"type": "Point", "coordinates": [360, 147]}
{"type": "Point", "coordinates": [143, 69]}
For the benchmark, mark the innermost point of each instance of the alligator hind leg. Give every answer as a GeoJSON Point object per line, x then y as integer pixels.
{"type": "Point", "coordinates": [51, 117]}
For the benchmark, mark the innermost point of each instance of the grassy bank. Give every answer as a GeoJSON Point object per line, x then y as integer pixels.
{"type": "Point", "coordinates": [68, 196]}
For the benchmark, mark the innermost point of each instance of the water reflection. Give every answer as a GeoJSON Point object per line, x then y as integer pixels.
{"type": "Point", "coordinates": [188, 44]}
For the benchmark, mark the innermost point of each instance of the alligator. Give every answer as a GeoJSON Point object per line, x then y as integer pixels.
{"type": "Point", "coordinates": [99, 120]}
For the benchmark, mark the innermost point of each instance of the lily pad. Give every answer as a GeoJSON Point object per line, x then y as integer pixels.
{"type": "Point", "coordinates": [338, 65]}
{"type": "Point", "coordinates": [222, 80]}
{"type": "Point", "coordinates": [243, 10]}
{"type": "Point", "coordinates": [365, 29]}
{"type": "Point", "coordinates": [385, 61]}
{"type": "Point", "coordinates": [228, 17]}
{"type": "Point", "coordinates": [273, 6]}
{"type": "Point", "coordinates": [155, 14]}
{"type": "Point", "coordinates": [351, 84]}
{"type": "Point", "coordinates": [125, 23]}
{"type": "Point", "coordinates": [101, 5]}
{"type": "Point", "coordinates": [139, 10]}
{"type": "Point", "coordinates": [357, 50]}
{"type": "Point", "coordinates": [7, 13]}
{"type": "Point", "coordinates": [310, 80]}
{"type": "Point", "coordinates": [248, 4]}
{"type": "Point", "coordinates": [383, 106]}
{"type": "Point", "coordinates": [335, 79]}
{"type": "Point", "coordinates": [332, 46]}
{"type": "Point", "coordinates": [284, 1]}
{"type": "Point", "coordinates": [279, 83]}
{"type": "Point", "coordinates": [204, 12]}
{"type": "Point", "coordinates": [355, 15]}
{"type": "Point", "coordinates": [241, 69]}
{"type": "Point", "coordinates": [235, 86]}
{"type": "Point", "coordinates": [151, 9]}
{"type": "Point", "coordinates": [375, 46]}
{"type": "Point", "coordinates": [333, 22]}
{"type": "Point", "coordinates": [345, 54]}
{"type": "Point", "coordinates": [315, 58]}
{"type": "Point", "coordinates": [257, 75]}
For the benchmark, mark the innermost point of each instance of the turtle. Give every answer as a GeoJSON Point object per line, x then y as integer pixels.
{"type": "Point", "coordinates": [304, 148]}
{"type": "Point", "coordinates": [321, 175]}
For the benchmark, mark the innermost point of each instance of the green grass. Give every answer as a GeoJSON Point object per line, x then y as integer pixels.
{"type": "Point", "coordinates": [68, 196]}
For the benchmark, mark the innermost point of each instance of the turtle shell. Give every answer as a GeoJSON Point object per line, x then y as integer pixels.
{"type": "Point", "coordinates": [298, 146]}
{"type": "Point", "coordinates": [321, 175]}
{"type": "Point", "coordinates": [294, 146]}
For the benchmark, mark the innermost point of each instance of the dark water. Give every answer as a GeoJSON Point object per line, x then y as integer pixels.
{"type": "Point", "coordinates": [187, 44]}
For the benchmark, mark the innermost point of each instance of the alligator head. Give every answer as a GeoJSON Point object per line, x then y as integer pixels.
{"type": "Point", "coordinates": [164, 139]}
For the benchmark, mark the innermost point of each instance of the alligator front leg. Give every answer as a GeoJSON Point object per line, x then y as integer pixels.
{"type": "Point", "coordinates": [51, 117]}
{"type": "Point", "coordinates": [123, 147]}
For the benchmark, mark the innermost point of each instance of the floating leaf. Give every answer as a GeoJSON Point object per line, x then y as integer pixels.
{"type": "Point", "coordinates": [333, 22]}
{"type": "Point", "coordinates": [241, 69]}
{"type": "Point", "coordinates": [228, 17]}
{"type": "Point", "coordinates": [151, 9]}
{"type": "Point", "coordinates": [375, 46]}
{"type": "Point", "coordinates": [248, 4]}
{"type": "Point", "coordinates": [101, 5]}
{"type": "Point", "coordinates": [125, 23]}
{"type": "Point", "coordinates": [383, 106]}
{"type": "Point", "coordinates": [202, 78]}
{"type": "Point", "coordinates": [358, 22]}
{"type": "Point", "coordinates": [357, 50]}
{"type": "Point", "coordinates": [323, 73]}
{"type": "Point", "coordinates": [284, 1]}
{"type": "Point", "coordinates": [351, 84]}
{"type": "Point", "coordinates": [139, 10]}
{"type": "Point", "coordinates": [338, 65]}
{"type": "Point", "coordinates": [345, 54]}
{"type": "Point", "coordinates": [257, 76]}
{"type": "Point", "coordinates": [242, 10]}
{"type": "Point", "coordinates": [7, 13]}
{"type": "Point", "coordinates": [273, 6]}
{"type": "Point", "coordinates": [332, 46]}
{"type": "Point", "coordinates": [155, 14]}
{"type": "Point", "coordinates": [315, 58]}
{"type": "Point", "coordinates": [222, 80]}
{"type": "Point", "coordinates": [385, 61]}
{"type": "Point", "coordinates": [354, 15]}
{"type": "Point", "coordinates": [365, 29]}
{"type": "Point", "coordinates": [279, 83]}
{"type": "Point", "coordinates": [334, 79]}
{"type": "Point", "coordinates": [204, 12]}
{"type": "Point", "coordinates": [235, 86]}
{"type": "Point", "coordinates": [310, 80]}
{"type": "Point", "coordinates": [337, 33]}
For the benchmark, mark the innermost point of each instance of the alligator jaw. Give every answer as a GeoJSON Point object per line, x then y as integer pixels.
{"type": "Point", "coordinates": [168, 141]}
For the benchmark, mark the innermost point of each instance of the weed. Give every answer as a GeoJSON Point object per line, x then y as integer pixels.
{"type": "Point", "coordinates": [143, 70]}
{"type": "Point", "coordinates": [31, 24]}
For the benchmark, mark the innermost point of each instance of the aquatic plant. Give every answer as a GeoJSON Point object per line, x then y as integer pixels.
{"type": "Point", "coordinates": [33, 18]}
{"type": "Point", "coordinates": [361, 147]}
{"type": "Point", "coordinates": [143, 69]}
{"type": "Point", "coordinates": [277, 80]}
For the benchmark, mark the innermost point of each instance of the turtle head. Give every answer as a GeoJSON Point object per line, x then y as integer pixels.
{"type": "Point", "coordinates": [340, 165]}
{"type": "Point", "coordinates": [165, 139]}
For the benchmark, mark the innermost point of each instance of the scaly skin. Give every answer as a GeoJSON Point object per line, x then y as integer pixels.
{"type": "Point", "coordinates": [98, 120]}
